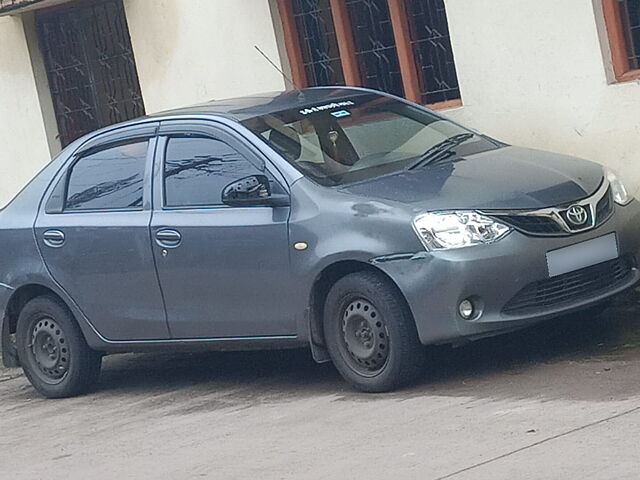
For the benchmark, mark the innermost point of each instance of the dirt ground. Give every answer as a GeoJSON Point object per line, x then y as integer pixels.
{"type": "Point", "coordinates": [558, 401]}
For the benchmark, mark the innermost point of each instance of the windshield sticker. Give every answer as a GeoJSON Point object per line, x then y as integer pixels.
{"type": "Point", "coordinates": [340, 113]}
{"type": "Point", "coordinates": [328, 106]}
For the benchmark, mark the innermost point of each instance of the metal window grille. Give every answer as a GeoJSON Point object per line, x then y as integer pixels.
{"type": "Point", "coordinates": [375, 45]}
{"type": "Point", "coordinates": [319, 46]}
{"type": "Point", "coordinates": [90, 66]}
{"type": "Point", "coordinates": [431, 45]}
{"type": "Point", "coordinates": [630, 14]}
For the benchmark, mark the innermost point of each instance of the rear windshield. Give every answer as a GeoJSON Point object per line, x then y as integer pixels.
{"type": "Point", "coordinates": [361, 138]}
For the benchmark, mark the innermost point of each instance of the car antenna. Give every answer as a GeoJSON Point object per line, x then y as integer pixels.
{"type": "Point", "coordinates": [284, 75]}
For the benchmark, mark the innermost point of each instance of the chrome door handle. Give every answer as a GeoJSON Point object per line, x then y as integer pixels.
{"type": "Point", "coordinates": [53, 238]}
{"type": "Point", "coordinates": [168, 238]}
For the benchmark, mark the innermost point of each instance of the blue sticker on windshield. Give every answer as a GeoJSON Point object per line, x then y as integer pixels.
{"type": "Point", "coordinates": [340, 114]}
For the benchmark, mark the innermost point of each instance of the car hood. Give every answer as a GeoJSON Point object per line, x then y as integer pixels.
{"type": "Point", "coordinates": [505, 178]}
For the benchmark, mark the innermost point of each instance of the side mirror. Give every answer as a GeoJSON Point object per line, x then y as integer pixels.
{"type": "Point", "coordinates": [252, 191]}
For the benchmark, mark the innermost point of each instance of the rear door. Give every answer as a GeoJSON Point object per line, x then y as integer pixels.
{"type": "Point", "coordinates": [93, 232]}
{"type": "Point", "coordinates": [224, 270]}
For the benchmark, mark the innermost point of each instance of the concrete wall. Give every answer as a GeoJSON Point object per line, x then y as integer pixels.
{"type": "Point", "coordinates": [190, 51]}
{"type": "Point", "coordinates": [535, 74]}
{"type": "Point", "coordinates": [23, 141]}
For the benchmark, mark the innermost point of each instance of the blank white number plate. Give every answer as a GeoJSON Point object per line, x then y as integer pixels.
{"type": "Point", "coordinates": [581, 255]}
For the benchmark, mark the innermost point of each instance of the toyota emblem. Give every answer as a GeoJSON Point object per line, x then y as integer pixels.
{"type": "Point", "coordinates": [577, 215]}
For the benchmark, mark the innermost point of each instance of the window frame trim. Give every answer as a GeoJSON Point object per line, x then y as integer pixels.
{"type": "Point", "coordinates": [292, 47]}
{"type": "Point", "coordinates": [346, 42]}
{"type": "Point", "coordinates": [402, 37]}
{"type": "Point", "coordinates": [622, 70]}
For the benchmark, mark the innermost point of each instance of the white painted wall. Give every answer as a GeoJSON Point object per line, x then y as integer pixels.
{"type": "Point", "coordinates": [191, 51]}
{"type": "Point", "coordinates": [533, 73]}
{"type": "Point", "coordinates": [23, 142]}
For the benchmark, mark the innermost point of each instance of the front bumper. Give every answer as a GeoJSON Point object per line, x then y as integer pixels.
{"type": "Point", "coordinates": [435, 283]}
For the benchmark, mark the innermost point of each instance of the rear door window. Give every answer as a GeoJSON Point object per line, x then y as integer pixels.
{"type": "Point", "coordinates": [109, 179]}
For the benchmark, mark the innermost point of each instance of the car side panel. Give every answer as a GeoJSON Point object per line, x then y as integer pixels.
{"type": "Point", "coordinates": [20, 260]}
{"type": "Point", "coordinates": [20, 264]}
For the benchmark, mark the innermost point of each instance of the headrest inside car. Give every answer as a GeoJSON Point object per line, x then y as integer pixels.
{"type": "Point", "coordinates": [287, 142]}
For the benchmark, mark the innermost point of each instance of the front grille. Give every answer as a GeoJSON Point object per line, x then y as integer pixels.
{"type": "Point", "coordinates": [570, 287]}
{"type": "Point", "coordinates": [544, 225]}
{"type": "Point", "coordinates": [532, 224]}
{"type": "Point", "coordinates": [604, 208]}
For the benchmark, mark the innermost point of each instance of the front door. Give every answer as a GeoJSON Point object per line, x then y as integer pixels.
{"type": "Point", "coordinates": [95, 241]}
{"type": "Point", "coordinates": [224, 270]}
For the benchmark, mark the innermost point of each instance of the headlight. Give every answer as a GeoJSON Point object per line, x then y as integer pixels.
{"type": "Point", "coordinates": [440, 231]}
{"type": "Point", "coordinates": [620, 194]}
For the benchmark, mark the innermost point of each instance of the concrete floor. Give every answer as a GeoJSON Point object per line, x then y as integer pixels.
{"type": "Point", "coordinates": [561, 401]}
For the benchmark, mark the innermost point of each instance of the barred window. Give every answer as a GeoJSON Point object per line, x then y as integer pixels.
{"type": "Point", "coordinates": [431, 47]}
{"type": "Point", "coordinates": [318, 43]}
{"type": "Point", "coordinates": [630, 12]}
{"type": "Point", "coordinates": [397, 46]}
{"type": "Point", "coordinates": [375, 45]}
{"type": "Point", "coordinates": [622, 18]}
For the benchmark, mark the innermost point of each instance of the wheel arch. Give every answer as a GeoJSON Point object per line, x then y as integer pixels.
{"type": "Point", "coordinates": [323, 282]}
{"type": "Point", "coordinates": [19, 298]}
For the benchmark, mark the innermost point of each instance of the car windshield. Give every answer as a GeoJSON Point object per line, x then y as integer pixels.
{"type": "Point", "coordinates": [357, 139]}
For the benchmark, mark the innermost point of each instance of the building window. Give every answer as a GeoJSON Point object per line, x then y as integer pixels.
{"type": "Point", "coordinates": [622, 18]}
{"type": "Point", "coordinates": [90, 66]}
{"type": "Point", "coordinates": [398, 46]}
{"type": "Point", "coordinates": [375, 45]}
{"type": "Point", "coordinates": [432, 50]}
{"type": "Point", "coordinates": [318, 43]}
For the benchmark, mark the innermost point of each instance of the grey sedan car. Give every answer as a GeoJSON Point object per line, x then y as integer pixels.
{"type": "Point", "coordinates": [350, 221]}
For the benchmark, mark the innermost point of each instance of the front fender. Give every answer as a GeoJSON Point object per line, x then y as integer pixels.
{"type": "Point", "coordinates": [337, 227]}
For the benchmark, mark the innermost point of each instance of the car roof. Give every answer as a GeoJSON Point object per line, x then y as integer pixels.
{"type": "Point", "coordinates": [244, 108]}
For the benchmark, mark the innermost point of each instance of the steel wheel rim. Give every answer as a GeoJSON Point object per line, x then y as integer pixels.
{"type": "Point", "coordinates": [364, 337]}
{"type": "Point", "coordinates": [50, 350]}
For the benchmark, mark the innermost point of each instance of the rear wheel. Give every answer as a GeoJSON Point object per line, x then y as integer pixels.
{"type": "Point", "coordinates": [370, 333]}
{"type": "Point", "coordinates": [52, 350]}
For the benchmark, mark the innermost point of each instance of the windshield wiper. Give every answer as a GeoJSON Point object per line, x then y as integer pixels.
{"type": "Point", "coordinates": [441, 150]}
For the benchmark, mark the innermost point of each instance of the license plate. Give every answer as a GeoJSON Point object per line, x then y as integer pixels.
{"type": "Point", "coordinates": [582, 255]}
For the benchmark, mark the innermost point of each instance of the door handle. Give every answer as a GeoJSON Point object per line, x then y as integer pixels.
{"type": "Point", "coordinates": [168, 238]}
{"type": "Point", "coordinates": [53, 238]}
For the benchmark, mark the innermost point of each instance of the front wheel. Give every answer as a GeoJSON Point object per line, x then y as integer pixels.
{"type": "Point", "coordinates": [370, 333]}
{"type": "Point", "coordinates": [52, 350]}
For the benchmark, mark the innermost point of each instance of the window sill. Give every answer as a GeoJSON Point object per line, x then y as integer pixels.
{"type": "Point", "coordinates": [628, 76]}
{"type": "Point", "coordinates": [446, 104]}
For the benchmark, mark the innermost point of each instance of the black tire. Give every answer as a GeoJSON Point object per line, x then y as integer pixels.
{"type": "Point", "coordinates": [52, 350]}
{"type": "Point", "coordinates": [370, 333]}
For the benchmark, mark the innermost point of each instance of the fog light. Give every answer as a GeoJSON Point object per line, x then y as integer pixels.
{"type": "Point", "coordinates": [466, 309]}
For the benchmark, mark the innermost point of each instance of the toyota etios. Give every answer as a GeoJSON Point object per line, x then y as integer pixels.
{"type": "Point", "coordinates": [348, 220]}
